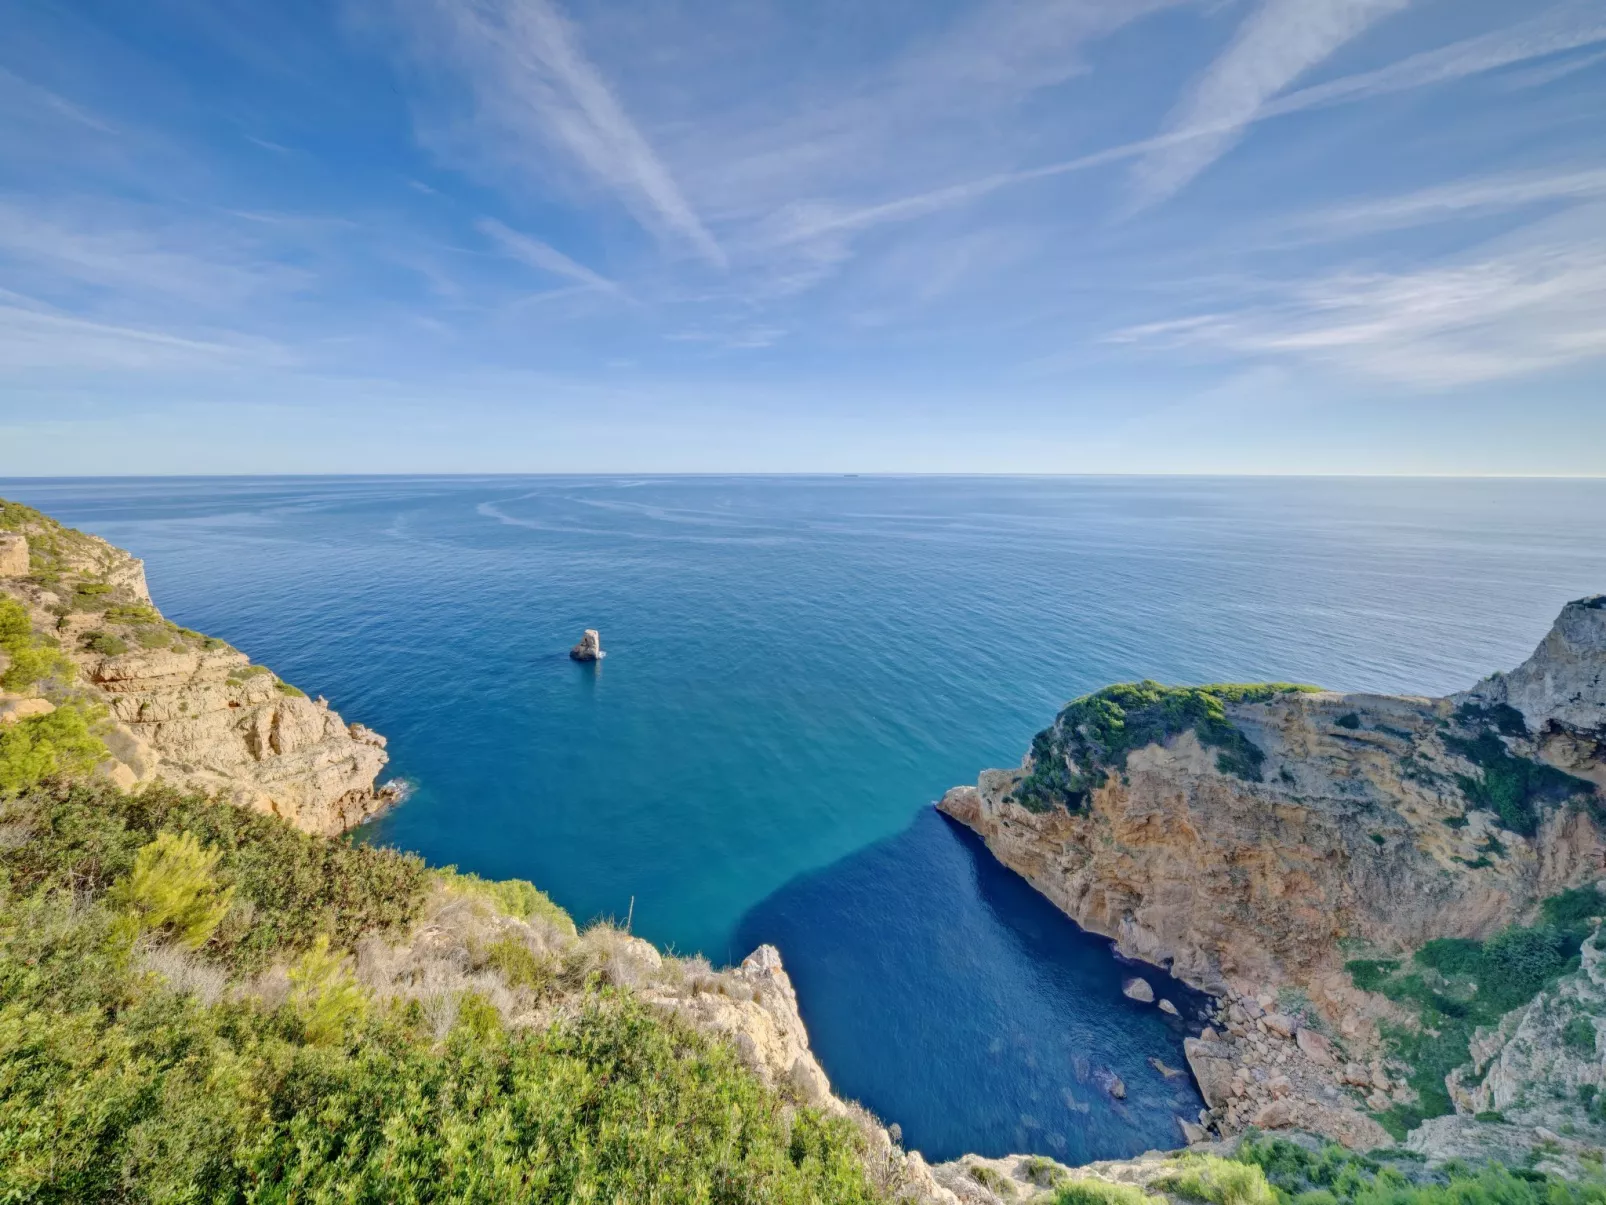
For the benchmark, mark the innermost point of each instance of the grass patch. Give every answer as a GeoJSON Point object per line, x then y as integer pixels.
{"type": "Point", "coordinates": [1093, 735]}
{"type": "Point", "coordinates": [292, 692]}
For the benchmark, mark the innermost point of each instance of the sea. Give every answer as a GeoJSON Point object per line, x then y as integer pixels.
{"type": "Point", "coordinates": [797, 667]}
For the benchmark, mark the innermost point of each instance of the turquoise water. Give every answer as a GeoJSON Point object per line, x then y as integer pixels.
{"type": "Point", "coordinates": [797, 667]}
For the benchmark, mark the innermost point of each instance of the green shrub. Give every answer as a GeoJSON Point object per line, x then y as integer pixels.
{"type": "Point", "coordinates": [515, 897]}
{"type": "Point", "coordinates": [1096, 732]}
{"type": "Point", "coordinates": [1457, 984]}
{"type": "Point", "coordinates": [1219, 1181]}
{"type": "Point", "coordinates": [1579, 1033]}
{"type": "Point", "coordinates": [1045, 1173]}
{"type": "Point", "coordinates": [1102, 1192]}
{"type": "Point", "coordinates": [294, 692]}
{"type": "Point", "coordinates": [116, 1087]}
{"type": "Point", "coordinates": [324, 995]}
{"type": "Point", "coordinates": [1513, 787]}
{"type": "Point", "coordinates": [104, 643]}
{"type": "Point", "coordinates": [298, 885]}
{"type": "Point", "coordinates": [171, 889]}
{"type": "Point", "coordinates": [153, 638]}
{"type": "Point", "coordinates": [48, 746]}
{"type": "Point", "coordinates": [520, 966]}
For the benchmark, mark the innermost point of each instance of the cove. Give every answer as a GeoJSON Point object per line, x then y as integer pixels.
{"type": "Point", "coordinates": [797, 668]}
{"type": "Point", "coordinates": [942, 992]}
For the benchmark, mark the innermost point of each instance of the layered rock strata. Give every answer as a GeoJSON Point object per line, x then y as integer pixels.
{"type": "Point", "coordinates": [1361, 824]}
{"type": "Point", "coordinates": [183, 708]}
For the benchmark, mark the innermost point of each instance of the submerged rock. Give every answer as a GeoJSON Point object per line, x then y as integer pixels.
{"type": "Point", "coordinates": [589, 648]}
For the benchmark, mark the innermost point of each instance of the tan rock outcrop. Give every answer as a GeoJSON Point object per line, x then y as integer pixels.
{"type": "Point", "coordinates": [187, 709]}
{"type": "Point", "coordinates": [13, 554]}
{"type": "Point", "coordinates": [1360, 830]}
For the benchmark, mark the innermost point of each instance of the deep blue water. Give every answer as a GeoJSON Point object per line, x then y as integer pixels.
{"type": "Point", "coordinates": [797, 667]}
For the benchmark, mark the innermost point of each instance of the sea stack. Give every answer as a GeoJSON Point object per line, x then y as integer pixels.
{"type": "Point", "coordinates": [589, 648]}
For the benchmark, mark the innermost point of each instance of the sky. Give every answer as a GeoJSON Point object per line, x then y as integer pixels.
{"type": "Point", "coordinates": [1045, 236]}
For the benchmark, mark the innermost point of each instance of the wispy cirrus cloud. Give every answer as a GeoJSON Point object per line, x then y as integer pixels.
{"type": "Point", "coordinates": [1568, 27]}
{"type": "Point", "coordinates": [531, 89]}
{"type": "Point", "coordinates": [536, 254]}
{"type": "Point", "coordinates": [1279, 42]}
{"type": "Point", "coordinates": [1524, 304]}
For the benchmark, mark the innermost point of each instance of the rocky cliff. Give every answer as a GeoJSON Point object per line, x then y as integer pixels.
{"type": "Point", "coordinates": [179, 706]}
{"type": "Point", "coordinates": [1255, 839]}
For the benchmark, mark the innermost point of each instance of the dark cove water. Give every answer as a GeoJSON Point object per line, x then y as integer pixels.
{"type": "Point", "coordinates": [797, 667]}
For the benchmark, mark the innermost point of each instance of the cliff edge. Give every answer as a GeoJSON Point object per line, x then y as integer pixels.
{"type": "Point", "coordinates": [1261, 839]}
{"type": "Point", "coordinates": [177, 705]}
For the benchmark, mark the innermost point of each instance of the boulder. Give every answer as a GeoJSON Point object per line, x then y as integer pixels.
{"type": "Point", "coordinates": [1139, 990]}
{"type": "Point", "coordinates": [1315, 1047]}
{"type": "Point", "coordinates": [1281, 1024]}
{"type": "Point", "coordinates": [589, 648]}
{"type": "Point", "coordinates": [1167, 1007]}
{"type": "Point", "coordinates": [1212, 1066]}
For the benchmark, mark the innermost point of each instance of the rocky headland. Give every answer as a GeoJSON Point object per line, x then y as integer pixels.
{"type": "Point", "coordinates": [1276, 844]}
{"type": "Point", "coordinates": [176, 705]}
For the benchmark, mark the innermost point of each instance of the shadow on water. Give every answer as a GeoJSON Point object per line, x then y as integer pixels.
{"type": "Point", "coordinates": [948, 996]}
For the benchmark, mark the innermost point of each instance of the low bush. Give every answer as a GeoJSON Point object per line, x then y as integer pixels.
{"type": "Point", "coordinates": [516, 897]}
{"type": "Point", "coordinates": [121, 1079]}
{"type": "Point", "coordinates": [1336, 1176]}
{"type": "Point", "coordinates": [1102, 1192]}
{"type": "Point", "coordinates": [104, 643]}
{"type": "Point", "coordinates": [48, 746]}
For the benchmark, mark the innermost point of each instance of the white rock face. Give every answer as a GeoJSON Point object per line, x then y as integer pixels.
{"type": "Point", "coordinates": [1564, 683]}
{"type": "Point", "coordinates": [589, 648]}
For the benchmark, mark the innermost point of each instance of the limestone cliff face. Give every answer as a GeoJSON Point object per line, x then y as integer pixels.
{"type": "Point", "coordinates": [184, 708]}
{"type": "Point", "coordinates": [1372, 827]}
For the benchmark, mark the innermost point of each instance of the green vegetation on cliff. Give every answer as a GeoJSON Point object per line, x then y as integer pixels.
{"type": "Point", "coordinates": [1515, 788]}
{"type": "Point", "coordinates": [1092, 736]}
{"type": "Point", "coordinates": [180, 1020]}
{"type": "Point", "coordinates": [1456, 984]}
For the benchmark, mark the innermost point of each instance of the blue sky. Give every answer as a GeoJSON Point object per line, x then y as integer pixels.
{"type": "Point", "coordinates": [700, 235]}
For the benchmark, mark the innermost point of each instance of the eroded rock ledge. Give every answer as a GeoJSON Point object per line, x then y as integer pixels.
{"type": "Point", "coordinates": [183, 707]}
{"type": "Point", "coordinates": [1369, 825]}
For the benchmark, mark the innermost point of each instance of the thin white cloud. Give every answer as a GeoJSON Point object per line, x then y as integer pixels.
{"type": "Point", "coordinates": [540, 255]}
{"type": "Point", "coordinates": [33, 337]}
{"type": "Point", "coordinates": [131, 251]}
{"type": "Point", "coordinates": [1462, 198]}
{"type": "Point", "coordinates": [1276, 44]}
{"type": "Point", "coordinates": [533, 89]}
{"type": "Point", "coordinates": [1560, 29]}
{"type": "Point", "coordinates": [1523, 305]}
{"type": "Point", "coordinates": [1566, 28]}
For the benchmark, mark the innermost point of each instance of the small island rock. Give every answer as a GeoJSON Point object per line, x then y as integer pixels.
{"type": "Point", "coordinates": [1167, 1007]}
{"type": "Point", "coordinates": [589, 648]}
{"type": "Point", "coordinates": [1139, 990]}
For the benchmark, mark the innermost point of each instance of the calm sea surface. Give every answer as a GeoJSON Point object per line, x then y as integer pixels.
{"type": "Point", "coordinates": [797, 668]}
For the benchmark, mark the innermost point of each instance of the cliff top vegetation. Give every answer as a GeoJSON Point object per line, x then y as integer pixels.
{"type": "Point", "coordinates": [1091, 738]}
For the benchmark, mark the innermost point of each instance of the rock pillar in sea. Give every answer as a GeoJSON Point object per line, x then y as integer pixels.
{"type": "Point", "coordinates": [589, 648]}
